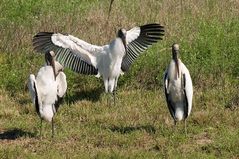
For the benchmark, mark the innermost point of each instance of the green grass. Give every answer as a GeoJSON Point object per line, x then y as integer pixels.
{"type": "Point", "coordinates": [134, 128]}
{"type": "Point", "coordinates": [140, 125]}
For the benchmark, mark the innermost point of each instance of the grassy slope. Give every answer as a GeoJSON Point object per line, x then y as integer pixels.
{"type": "Point", "coordinates": [140, 125]}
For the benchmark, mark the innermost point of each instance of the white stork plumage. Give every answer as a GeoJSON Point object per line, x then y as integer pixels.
{"type": "Point", "coordinates": [48, 89]}
{"type": "Point", "coordinates": [178, 88]}
{"type": "Point", "coordinates": [109, 60]}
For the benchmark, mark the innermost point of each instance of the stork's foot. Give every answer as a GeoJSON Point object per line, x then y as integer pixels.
{"type": "Point", "coordinates": [115, 96]}
{"type": "Point", "coordinates": [175, 126]}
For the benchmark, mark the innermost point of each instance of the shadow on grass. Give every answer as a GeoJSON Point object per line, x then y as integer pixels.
{"type": "Point", "coordinates": [128, 129]}
{"type": "Point", "coordinates": [90, 95]}
{"type": "Point", "coordinates": [13, 134]}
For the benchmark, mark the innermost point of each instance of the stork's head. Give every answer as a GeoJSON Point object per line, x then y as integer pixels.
{"type": "Point", "coordinates": [175, 54]}
{"type": "Point", "coordinates": [49, 57]}
{"type": "Point", "coordinates": [122, 35]}
{"type": "Point", "coordinates": [175, 51]}
{"type": "Point", "coordinates": [50, 61]}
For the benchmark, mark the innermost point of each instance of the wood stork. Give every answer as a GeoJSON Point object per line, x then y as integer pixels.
{"type": "Point", "coordinates": [48, 89]}
{"type": "Point", "coordinates": [109, 60]}
{"type": "Point", "coordinates": [178, 88]}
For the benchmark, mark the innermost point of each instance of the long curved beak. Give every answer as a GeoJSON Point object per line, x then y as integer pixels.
{"type": "Point", "coordinates": [177, 66]}
{"type": "Point", "coordinates": [175, 57]}
{"type": "Point", "coordinates": [53, 66]}
{"type": "Point", "coordinates": [50, 61]}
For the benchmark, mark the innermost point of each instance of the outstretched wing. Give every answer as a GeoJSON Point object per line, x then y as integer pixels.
{"type": "Point", "coordinates": [138, 40]}
{"type": "Point", "coordinates": [71, 52]}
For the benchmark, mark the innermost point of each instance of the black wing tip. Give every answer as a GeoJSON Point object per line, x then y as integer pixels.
{"type": "Point", "coordinates": [152, 25]}
{"type": "Point", "coordinates": [38, 38]}
{"type": "Point", "coordinates": [153, 30]}
{"type": "Point", "coordinates": [40, 35]}
{"type": "Point", "coordinates": [43, 33]}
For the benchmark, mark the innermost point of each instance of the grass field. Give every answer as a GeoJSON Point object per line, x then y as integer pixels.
{"type": "Point", "coordinates": [139, 126]}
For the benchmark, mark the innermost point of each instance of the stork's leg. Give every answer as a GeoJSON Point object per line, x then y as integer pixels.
{"type": "Point", "coordinates": [175, 125]}
{"type": "Point", "coordinates": [114, 91]}
{"type": "Point", "coordinates": [67, 99]}
{"type": "Point", "coordinates": [106, 83]}
{"type": "Point", "coordinates": [108, 99]}
{"type": "Point", "coordinates": [52, 128]}
{"type": "Point", "coordinates": [111, 90]}
{"type": "Point", "coordinates": [40, 126]}
{"type": "Point", "coordinates": [185, 127]}
{"type": "Point", "coordinates": [114, 94]}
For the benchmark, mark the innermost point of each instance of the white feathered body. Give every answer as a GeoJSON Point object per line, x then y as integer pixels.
{"type": "Point", "coordinates": [47, 91]}
{"type": "Point", "coordinates": [174, 84]}
{"type": "Point", "coordinates": [110, 65]}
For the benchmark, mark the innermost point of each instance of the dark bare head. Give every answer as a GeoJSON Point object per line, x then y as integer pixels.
{"type": "Point", "coordinates": [175, 54]}
{"type": "Point", "coordinates": [122, 35]}
{"type": "Point", "coordinates": [49, 57]}
{"type": "Point", "coordinates": [175, 51]}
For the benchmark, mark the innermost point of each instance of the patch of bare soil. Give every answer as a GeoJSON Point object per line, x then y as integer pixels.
{"type": "Point", "coordinates": [203, 139]}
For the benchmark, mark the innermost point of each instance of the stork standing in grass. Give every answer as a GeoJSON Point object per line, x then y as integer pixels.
{"type": "Point", "coordinates": [48, 89]}
{"type": "Point", "coordinates": [178, 88]}
{"type": "Point", "coordinates": [109, 60]}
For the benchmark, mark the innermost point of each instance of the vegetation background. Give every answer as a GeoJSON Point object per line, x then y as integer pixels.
{"type": "Point", "coordinates": [140, 125]}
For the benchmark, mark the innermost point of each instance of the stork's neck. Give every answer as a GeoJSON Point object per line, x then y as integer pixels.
{"type": "Point", "coordinates": [173, 70]}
